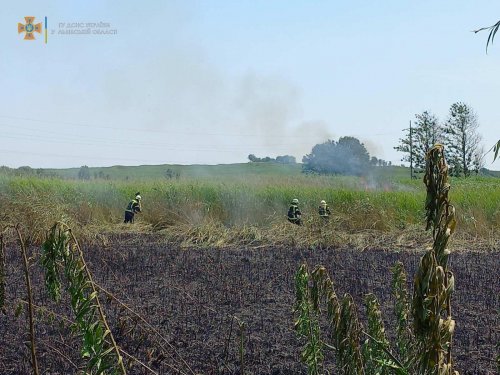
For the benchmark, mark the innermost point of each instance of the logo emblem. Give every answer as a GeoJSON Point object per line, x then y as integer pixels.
{"type": "Point", "coordinates": [29, 28]}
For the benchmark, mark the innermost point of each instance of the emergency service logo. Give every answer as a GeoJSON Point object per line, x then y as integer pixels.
{"type": "Point", "coordinates": [30, 28]}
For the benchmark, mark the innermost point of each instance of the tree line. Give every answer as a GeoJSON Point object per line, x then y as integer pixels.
{"type": "Point", "coordinates": [283, 159]}
{"type": "Point", "coordinates": [346, 156]}
{"type": "Point", "coordinates": [459, 134]}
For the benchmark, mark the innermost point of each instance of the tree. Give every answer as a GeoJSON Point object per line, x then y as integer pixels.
{"type": "Point", "coordinates": [373, 161]}
{"type": "Point", "coordinates": [170, 174]}
{"type": "Point", "coordinates": [283, 159]}
{"type": "Point", "coordinates": [347, 156]}
{"type": "Point", "coordinates": [84, 173]}
{"type": "Point", "coordinates": [462, 138]}
{"type": "Point", "coordinates": [286, 159]}
{"type": "Point", "coordinates": [425, 134]}
{"type": "Point", "coordinates": [253, 158]}
{"type": "Point", "coordinates": [25, 170]}
{"type": "Point", "coordinates": [406, 147]}
{"type": "Point", "coordinates": [478, 159]}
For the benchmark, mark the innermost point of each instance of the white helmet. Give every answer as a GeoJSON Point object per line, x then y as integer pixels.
{"type": "Point", "coordinates": [295, 201]}
{"type": "Point", "coordinates": [322, 202]}
{"type": "Point", "coordinates": [138, 197]}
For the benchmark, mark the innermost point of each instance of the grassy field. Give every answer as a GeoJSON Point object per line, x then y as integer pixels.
{"type": "Point", "coordinates": [246, 203]}
{"type": "Point", "coordinates": [142, 172]}
{"type": "Point", "coordinates": [240, 209]}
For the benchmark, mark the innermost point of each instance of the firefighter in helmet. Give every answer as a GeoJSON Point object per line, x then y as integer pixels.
{"type": "Point", "coordinates": [324, 210]}
{"type": "Point", "coordinates": [294, 214]}
{"type": "Point", "coordinates": [133, 207]}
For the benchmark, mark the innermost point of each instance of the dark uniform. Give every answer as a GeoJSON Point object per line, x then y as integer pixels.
{"type": "Point", "coordinates": [324, 211]}
{"type": "Point", "coordinates": [294, 214]}
{"type": "Point", "coordinates": [133, 207]}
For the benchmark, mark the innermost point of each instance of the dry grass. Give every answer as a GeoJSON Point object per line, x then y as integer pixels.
{"type": "Point", "coordinates": [251, 213]}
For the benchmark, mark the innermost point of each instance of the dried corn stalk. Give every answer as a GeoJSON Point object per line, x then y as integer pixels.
{"type": "Point", "coordinates": [434, 282]}
{"type": "Point", "coordinates": [307, 324]}
{"type": "Point", "coordinates": [404, 336]}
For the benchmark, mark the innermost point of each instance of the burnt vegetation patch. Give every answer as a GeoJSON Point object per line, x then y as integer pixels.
{"type": "Point", "coordinates": [212, 311]}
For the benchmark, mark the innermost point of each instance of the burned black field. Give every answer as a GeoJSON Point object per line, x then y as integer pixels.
{"type": "Point", "coordinates": [211, 311]}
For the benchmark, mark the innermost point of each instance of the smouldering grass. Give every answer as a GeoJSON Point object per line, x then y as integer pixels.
{"type": "Point", "coordinates": [228, 207]}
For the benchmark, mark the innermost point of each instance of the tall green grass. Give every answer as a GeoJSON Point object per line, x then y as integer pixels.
{"type": "Point", "coordinates": [357, 204]}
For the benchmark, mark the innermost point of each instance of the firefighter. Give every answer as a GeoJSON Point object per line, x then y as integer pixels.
{"type": "Point", "coordinates": [324, 210]}
{"type": "Point", "coordinates": [133, 207]}
{"type": "Point", "coordinates": [294, 214]}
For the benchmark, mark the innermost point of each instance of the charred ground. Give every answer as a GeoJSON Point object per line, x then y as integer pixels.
{"type": "Point", "coordinates": [196, 299]}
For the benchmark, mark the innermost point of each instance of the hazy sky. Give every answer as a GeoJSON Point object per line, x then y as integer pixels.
{"type": "Point", "coordinates": [213, 81]}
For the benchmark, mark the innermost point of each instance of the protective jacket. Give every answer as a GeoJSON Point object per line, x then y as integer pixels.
{"type": "Point", "coordinates": [133, 206]}
{"type": "Point", "coordinates": [324, 210]}
{"type": "Point", "coordinates": [294, 214]}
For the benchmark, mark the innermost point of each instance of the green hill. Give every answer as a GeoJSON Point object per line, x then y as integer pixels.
{"type": "Point", "coordinates": [237, 171]}
{"type": "Point", "coordinates": [243, 170]}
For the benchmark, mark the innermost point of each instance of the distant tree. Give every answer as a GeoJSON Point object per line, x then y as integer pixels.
{"type": "Point", "coordinates": [373, 161]}
{"type": "Point", "coordinates": [478, 160]}
{"type": "Point", "coordinates": [347, 156]}
{"type": "Point", "coordinates": [25, 171]}
{"type": "Point", "coordinates": [286, 159]}
{"type": "Point", "coordinates": [267, 159]}
{"type": "Point", "coordinates": [84, 173]}
{"type": "Point", "coordinates": [462, 138]}
{"type": "Point", "coordinates": [426, 132]}
{"type": "Point", "coordinates": [170, 173]}
{"type": "Point", "coordinates": [405, 148]}
{"type": "Point", "coordinates": [382, 163]}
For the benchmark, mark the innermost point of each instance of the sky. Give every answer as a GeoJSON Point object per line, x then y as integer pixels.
{"type": "Point", "coordinates": [209, 82]}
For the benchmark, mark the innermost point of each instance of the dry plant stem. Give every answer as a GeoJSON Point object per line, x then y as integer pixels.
{"type": "Point", "coordinates": [111, 295]}
{"type": "Point", "coordinates": [226, 349]}
{"type": "Point", "coordinates": [139, 362]}
{"type": "Point", "coordinates": [382, 346]}
{"type": "Point", "coordinates": [71, 322]}
{"type": "Point", "coordinates": [30, 301]}
{"type": "Point", "coordinates": [2, 274]}
{"type": "Point", "coordinates": [242, 349]}
{"type": "Point", "coordinates": [98, 303]}
{"type": "Point", "coordinates": [434, 283]}
{"type": "Point", "coordinates": [60, 354]}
